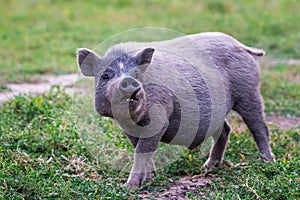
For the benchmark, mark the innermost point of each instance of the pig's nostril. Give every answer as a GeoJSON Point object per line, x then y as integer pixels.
{"type": "Point", "coordinates": [124, 84]}
{"type": "Point", "coordinates": [129, 85]}
{"type": "Point", "coordinates": [135, 84]}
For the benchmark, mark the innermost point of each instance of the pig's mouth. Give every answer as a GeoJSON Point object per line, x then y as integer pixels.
{"type": "Point", "coordinates": [133, 103]}
{"type": "Point", "coordinates": [135, 96]}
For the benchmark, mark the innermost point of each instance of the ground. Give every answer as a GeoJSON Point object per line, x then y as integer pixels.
{"type": "Point", "coordinates": [41, 144]}
{"type": "Point", "coordinates": [43, 153]}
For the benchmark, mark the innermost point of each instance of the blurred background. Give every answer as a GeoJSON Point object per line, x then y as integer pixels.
{"type": "Point", "coordinates": [42, 154]}
{"type": "Point", "coordinates": [39, 37]}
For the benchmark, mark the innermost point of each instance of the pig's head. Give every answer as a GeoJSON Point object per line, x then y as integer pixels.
{"type": "Point", "coordinates": [117, 80]}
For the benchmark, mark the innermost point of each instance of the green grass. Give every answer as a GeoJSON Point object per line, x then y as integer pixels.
{"type": "Point", "coordinates": [280, 87]}
{"type": "Point", "coordinates": [39, 37]}
{"type": "Point", "coordinates": [44, 156]}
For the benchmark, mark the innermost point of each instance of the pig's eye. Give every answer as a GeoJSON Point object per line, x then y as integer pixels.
{"type": "Point", "coordinates": [105, 77]}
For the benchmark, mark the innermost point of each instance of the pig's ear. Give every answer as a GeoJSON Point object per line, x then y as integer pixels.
{"type": "Point", "coordinates": [144, 57]}
{"type": "Point", "coordinates": [87, 61]}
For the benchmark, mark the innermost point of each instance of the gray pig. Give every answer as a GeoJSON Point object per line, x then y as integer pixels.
{"type": "Point", "coordinates": [178, 91]}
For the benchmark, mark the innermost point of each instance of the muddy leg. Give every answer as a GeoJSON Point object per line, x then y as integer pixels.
{"type": "Point", "coordinates": [251, 111]}
{"type": "Point", "coordinates": [149, 165]}
{"type": "Point", "coordinates": [143, 168]}
{"type": "Point", "coordinates": [217, 151]}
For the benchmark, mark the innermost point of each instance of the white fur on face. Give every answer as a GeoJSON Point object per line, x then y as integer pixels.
{"type": "Point", "coordinates": [121, 65]}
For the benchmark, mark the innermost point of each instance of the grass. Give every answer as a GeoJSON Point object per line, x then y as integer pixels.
{"type": "Point", "coordinates": [39, 37]}
{"type": "Point", "coordinates": [45, 154]}
{"type": "Point", "coordinates": [280, 87]}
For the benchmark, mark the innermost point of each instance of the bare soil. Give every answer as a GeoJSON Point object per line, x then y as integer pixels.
{"type": "Point", "coordinates": [284, 123]}
{"type": "Point", "coordinates": [180, 188]}
{"type": "Point", "coordinates": [281, 122]}
{"type": "Point", "coordinates": [270, 61]}
{"type": "Point", "coordinates": [42, 86]}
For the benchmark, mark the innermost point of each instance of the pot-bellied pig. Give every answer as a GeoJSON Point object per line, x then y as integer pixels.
{"type": "Point", "coordinates": [178, 91]}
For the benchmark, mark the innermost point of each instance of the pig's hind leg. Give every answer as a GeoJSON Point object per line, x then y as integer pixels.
{"type": "Point", "coordinates": [250, 108]}
{"type": "Point", "coordinates": [217, 150]}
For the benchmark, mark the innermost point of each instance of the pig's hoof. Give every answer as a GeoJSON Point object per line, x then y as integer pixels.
{"type": "Point", "coordinates": [134, 182]}
{"type": "Point", "coordinates": [138, 179]}
{"type": "Point", "coordinates": [209, 164]}
{"type": "Point", "coordinates": [269, 158]}
{"type": "Point", "coordinates": [132, 185]}
{"type": "Point", "coordinates": [149, 178]}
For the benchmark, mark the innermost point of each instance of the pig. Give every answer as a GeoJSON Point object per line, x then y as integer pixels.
{"type": "Point", "coordinates": [178, 91]}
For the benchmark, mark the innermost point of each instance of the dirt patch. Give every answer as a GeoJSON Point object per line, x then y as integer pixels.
{"type": "Point", "coordinates": [291, 64]}
{"type": "Point", "coordinates": [282, 122]}
{"type": "Point", "coordinates": [179, 189]}
{"type": "Point", "coordinates": [270, 62]}
{"type": "Point", "coordinates": [37, 88]}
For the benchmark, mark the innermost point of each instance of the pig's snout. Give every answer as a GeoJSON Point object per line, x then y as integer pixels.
{"type": "Point", "coordinates": [129, 85]}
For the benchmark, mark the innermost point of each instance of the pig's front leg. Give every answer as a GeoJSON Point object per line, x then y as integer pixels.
{"type": "Point", "coordinates": [143, 168]}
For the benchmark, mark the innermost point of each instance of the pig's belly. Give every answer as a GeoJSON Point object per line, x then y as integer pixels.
{"type": "Point", "coordinates": [189, 133]}
{"type": "Point", "coordinates": [187, 139]}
